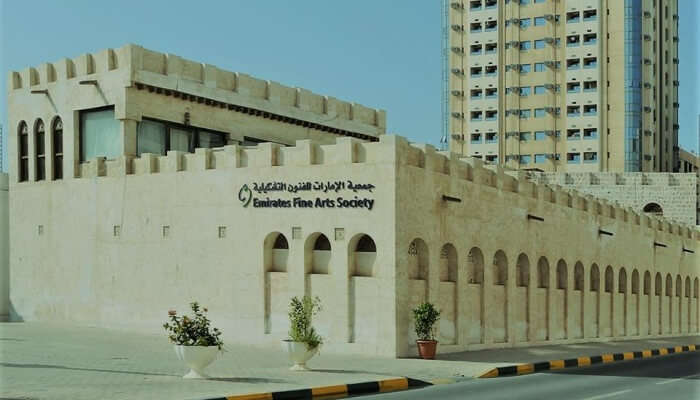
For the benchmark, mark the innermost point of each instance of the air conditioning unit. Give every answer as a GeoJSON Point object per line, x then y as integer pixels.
{"type": "Point", "coordinates": [647, 14]}
{"type": "Point", "coordinates": [456, 136]}
{"type": "Point", "coordinates": [514, 21]}
{"type": "Point", "coordinates": [647, 37]}
{"type": "Point", "coordinates": [549, 86]}
{"type": "Point", "coordinates": [549, 156]}
{"type": "Point", "coordinates": [457, 6]}
{"type": "Point", "coordinates": [647, 109]}
{"type": "Point", "coordinates": [647, 132]}
{"type": "Point", "coordinates": [548, 17]}
{"type": "Point", "coordinates": [676, 83]}
{"type": "Point", "coordinates": [647, 157]}
{"type": "Point", "coordinates": [457, 28]}
{"type": "Point", "coordinates": [549, 133]}
{"type": "Point", "coordinates": [647, 61]}
{"type": "Point", "coordinates": [514, 43]}
{"type": "Point", "coordinates": [457, 71]}
{"type": "Point", "coordinates": [647, 85]}
{"type": "Point", "coordinates": [515, 89]}
{"type": "Point", "coordinates": [512, 157]}
{"type": "Point", "coordinates": [549, 109]}
{"type": "Point", "coordinates": [511, 134]}
{"type": "Point", "coordinates": [549, 40]}
{"type": "Point", "coordinates": [549, 63]}
{"type": "Point", "coordinates": [458, 50]}
{"type": "Point", "coordinates": [458, 115]}
{"type": "Point", "coordinates": [458, 93]}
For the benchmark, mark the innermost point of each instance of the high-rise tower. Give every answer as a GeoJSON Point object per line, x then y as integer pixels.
{"type": "Point", "coordinates": [565, 85]}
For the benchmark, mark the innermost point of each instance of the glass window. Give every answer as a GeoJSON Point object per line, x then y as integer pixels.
{"type": "Point", "coordinates": [525, 68]}
{"type": "Point", "coordinates": [57, 140]}
{"type": "Point", "coordinates": [524, 114]}
{"type": "Point", "coordinates": [23, 173]}
{"type": "Point", "coordinates": [539, 112]}
{"type": "Point", "coordinates": [525, 159]}
{"type": "Point", "coordinates": [525, 22]}
{"type": "Point", "coordinates": [573, 134]}
{"type": "Point", "coordinates": [539, 21]}
{"type": "Point", "coordinates": [540, 135]}
{"type": "Point", "coordinates": [99, 135]}
{"type": "Point", "coordinates": [590, 157]}
{"type": "Point", "coordinates": [524, 2]}
{"type": "Point", "coordinates": [525, 91]}
{"type": "Point", "coordinates": [539, 44]}
{"type": "Point", "coordinates": [40, 146]}
{"type": "Point", "coordinates": [476, 138]}
{"type": "Point", "coordinates": [525, 136]}
{"type": "Point", "coordinates": [180, 140]}
{"type": "Point", "coordinates": [150, 138]}
{"type": "Point", "coordinates": [525, 45]}
{"type": "Point", "coordinates": [540, 158]}
{"type": "Point", "coordinates": [539, 89]}
{"type": "Point", "coordinates": [491, 137]}
{"type": "Point", "coordinates": [539, 67]}
{"type": "Point", "coordinates": [539, 1]}
{"type": "Point", "coordinates": [209, 139]}
{"type": "Point", "coordinates": [590, 133]}
{"type": "Point", "coordinates": [573, 158]}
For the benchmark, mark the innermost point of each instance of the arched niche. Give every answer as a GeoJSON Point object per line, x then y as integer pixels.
{"type": "Point", "coordinates": [418, 260]}
{"type": "Point", "coordinates": [595, 278]}
{"type": "Point", "coordinates": [475, 268]}
{"type": "Point", "coordinates": [578, 276]}
{"type": "Point", "coordinates": [653, 209]}
{"type": "Point", "coordinates": [363, 255]}
{"type": "Point", "coordinates": [609, 279]}
{"type": "Point", "coordinates": [276, 252]}
{"type": "Point", "coordinates": [522, 271]}
{"type": "Point", "coordinates": [562, 275]}
{"type": "Point", "coordinates": [448, 263]}
{"type": "Point", "coordinates": [669, 285]}
{"type": "Point", "coordinates": [317, 251]}
{"type": "Point", "coordinates": [658, 288]}
{"type": "Point", "coordinates": [542, 273]}
{"type": "Point", "coordinates": [647, 283]}
{"type": "Point", "coordinates": [679, 286]}
{"type": "Point", "coordinates": [622, 281]}
{"type": "Point", "coordinates": [635, 281]}
{"type": "Point", "coordinates": [500, 268]}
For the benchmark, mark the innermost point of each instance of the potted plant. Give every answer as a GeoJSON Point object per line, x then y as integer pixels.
{"type": "Point", "coordinates": [195, 343]}
{"type": "Point", "coordinates": [425, 316]}
{"type": "Point", "coordinates": [304, 341]}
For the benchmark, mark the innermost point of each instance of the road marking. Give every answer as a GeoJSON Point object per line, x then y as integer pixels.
{"type": "Point", "coordinates": [603, 396]}
{"type": "Point", "coordinates": [678, 379]}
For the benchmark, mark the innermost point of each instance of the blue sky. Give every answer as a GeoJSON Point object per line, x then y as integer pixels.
{"type": "Point", "coordinates": [380, 53]}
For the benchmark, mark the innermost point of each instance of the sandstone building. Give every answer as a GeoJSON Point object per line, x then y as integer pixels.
{"type": "Point", "coordinates": [565, 85]}
{"type": "Point", "coordinates": [116, 218]}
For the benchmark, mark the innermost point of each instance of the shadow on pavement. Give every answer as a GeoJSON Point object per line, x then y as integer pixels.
{"type": "Point", "coordinates": [14, 365]}
{"type": "Point", "coordinates": [247, 380]}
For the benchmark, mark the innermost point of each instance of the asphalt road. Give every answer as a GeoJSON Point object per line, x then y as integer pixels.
{"type": "Point", "coordinates": [669, 377]}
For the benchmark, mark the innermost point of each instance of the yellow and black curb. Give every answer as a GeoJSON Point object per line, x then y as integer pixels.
{"type": "Point", "coordinates": [332, 392]}
{"type": "Point", "coordinates": [523, 369]}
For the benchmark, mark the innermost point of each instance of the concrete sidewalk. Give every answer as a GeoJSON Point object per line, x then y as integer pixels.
{"type": "Point", "coordinates": [57, 361]}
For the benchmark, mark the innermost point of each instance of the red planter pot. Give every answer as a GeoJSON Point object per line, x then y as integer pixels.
{"type": "Point", "coordinates": [427, 348]}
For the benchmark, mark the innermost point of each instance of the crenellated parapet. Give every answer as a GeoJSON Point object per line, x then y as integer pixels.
{"type": "Point", "coordinates": [134, 66]}
{"type": "Point", "coordinates": [389, 149]}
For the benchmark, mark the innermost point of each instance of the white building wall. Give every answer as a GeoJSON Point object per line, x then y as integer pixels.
{"type": "Point", "coordinates": [4, 248]}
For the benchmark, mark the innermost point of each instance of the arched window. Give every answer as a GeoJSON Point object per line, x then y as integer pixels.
{"type": "Point", "coordinates": [281, 243]}
{"type": "Point", "coordinates": [322, 243]}
{"type": "Point", "coordinates": [669, 285]}
{"type": "Point", "coordinates": [364, 256]}
{"type": "Point", "coordinates": [696, 288]}
{"type": "Point", "coordinates": [23, 152]}
{"type": "Point", "coordinates": [657, 285]}
{"type": "Point", "coordinates": [609, 279]}
{"type": "Point", "coordinates": [57, 146]}
{"type": "Point", "coordinates": [622, 281]}
{"type": "Point", "coordinates": [679, 286]}
{"type": "Point", "coordinates": [542, 273]}
{"type": "Point", "coordinates": [562, 275]}
{"type": "Point", "coordinates": [687, 286]}
{"type": "Point", "coordinates": [595, 278]}
{"type": "Point", "coordinates": [653, 209]}
{"type": "Point", "coordinates": [522, 271]}
{"type": "Point", "coordinates": [647, 283]}
{"type": "Point", "coordinates": [635, 282]}
{"type": "Point", "coordinates": [40, 147]}
{"type": "Point", "coordinates": [578, 276]}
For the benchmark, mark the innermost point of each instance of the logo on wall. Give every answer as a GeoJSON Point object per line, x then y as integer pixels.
{"type": "Point", "coordinates": [245, 195]}
{"type": "Point", "coordinates": [327, 194]}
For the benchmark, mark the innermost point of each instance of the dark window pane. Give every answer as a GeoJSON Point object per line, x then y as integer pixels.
{"type": "Point", "coordinates": [58, 142]}
{"type": "Point", "coordinates": [208, 139]}
{"type": "Point", "coordinates": [23, 146]}
{"type": "Point", "coordinates": [181, 140]}
{"type": "Point", "coordinates": [58, 167]}
{"type": "Point", "coordinates": [40, 143]}
{"type": "Point", "coordinates": [24, 170]}
{"type": "Point", "coordinates": [40, 169]}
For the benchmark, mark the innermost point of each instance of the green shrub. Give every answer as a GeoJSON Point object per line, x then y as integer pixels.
{"type": "Point", "coordinates": [300, 315]}
{"type": "Point", "coordinates": [425, 316]}
{"type": "Point", "coordinates": [192, 331]}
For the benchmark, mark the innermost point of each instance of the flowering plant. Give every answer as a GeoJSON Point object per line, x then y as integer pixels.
{"type": "Point", "coordinates": [192, 331]}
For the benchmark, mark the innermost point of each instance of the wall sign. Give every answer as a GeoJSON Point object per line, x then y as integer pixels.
{"type": "Point", "coordinates": [328, 194]}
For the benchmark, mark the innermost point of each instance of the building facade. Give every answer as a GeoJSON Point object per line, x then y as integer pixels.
{"type": "Point", "coordinates": [565, 85]}
{"type": "Point", "coordinates": [672, 195]}
{"type": "Point", "coordinates": [4, 248]}
{"type": "Point", "coordinates": [371, 224]}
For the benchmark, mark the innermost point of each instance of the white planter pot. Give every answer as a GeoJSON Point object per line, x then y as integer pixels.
{"type": "Point", "coordinates": [197, 358]}
{"type": "Point", "coordinates": [298, 354]}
